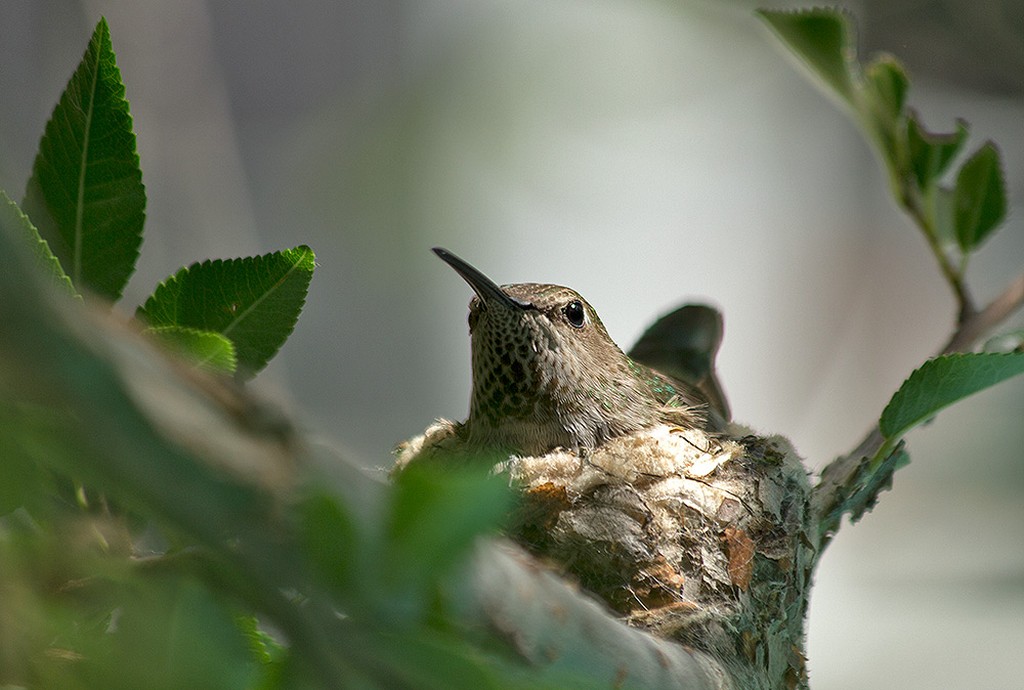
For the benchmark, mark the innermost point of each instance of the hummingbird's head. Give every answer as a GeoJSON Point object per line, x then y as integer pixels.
{"type": "Point", "coordinates": [541, 355]}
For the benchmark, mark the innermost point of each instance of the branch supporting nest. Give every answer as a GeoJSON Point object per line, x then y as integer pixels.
{"type": "Point", "coordinates": [849, 474]}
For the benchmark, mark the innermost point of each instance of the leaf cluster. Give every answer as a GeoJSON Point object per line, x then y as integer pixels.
{"type": "Point", "coordinates": [955, 216]}
{"type": "Point", "coordinates": [956, 213]}
{"type": "Point", "coordinates": [158, 527]}
{"type": "Point", "coordinates": [83, 215]}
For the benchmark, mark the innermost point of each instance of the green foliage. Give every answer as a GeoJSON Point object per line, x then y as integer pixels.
{"type": "Point", "coordinates": [821, 38]}
{"type": "Point", "coordinates": [387, 575]}
{"type": "Point", "coordinates": [916, 159]}
{"type": "Point", "coordinates": [435, 513]}
{"type": "Point", "coordinates": [347, 577]}
{"type": "Point", "coordinates": [942, 381]}
{"type": "Point", "coordinates": [29, 435]}
{"type": "Point", "coordinates": [980, 201]}
{"type": "Point", "coordinates": [205, 349]}
{"type": "Point", "coordinates": [13, 221]}
{"type": "Point", "coordinates": [184, 630]}
{"type": "Point", "coordinates": [430, 519]}
{"type": "Point", "coordinates": [330, 539]}
{"type": "Point", "coordinates": [87, 200]}
{"type": "Point", "coordinates": [955, 219]}
{"type": "Point", "coordinates": [930, 153]}
{"type": "Point", "coordinates": [252, 302]}
{"type": "Point", "coordinates": [85, 194]}
{"type": "Point", "coordinates": [79, 613]}
{"type": "Point", "coordinates": [861, 493]}
{"type": "Point", "coordinates": [958, 218]}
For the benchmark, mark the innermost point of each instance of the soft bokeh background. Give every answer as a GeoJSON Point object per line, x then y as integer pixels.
{"type": "Point", "coordinates": [642, 152]}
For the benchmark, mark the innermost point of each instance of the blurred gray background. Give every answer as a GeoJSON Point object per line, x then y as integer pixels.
{"type": "Point", "coordinates": [642, 152]}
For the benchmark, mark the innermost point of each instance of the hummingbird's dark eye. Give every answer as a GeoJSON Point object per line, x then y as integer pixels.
{"type": "Point", "coordinates": [575, 314]}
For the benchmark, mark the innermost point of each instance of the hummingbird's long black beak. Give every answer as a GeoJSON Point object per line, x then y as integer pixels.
{"type": "Point", "coordinates": [484, 287]}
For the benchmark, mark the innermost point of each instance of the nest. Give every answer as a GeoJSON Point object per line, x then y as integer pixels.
{"type": "Point", "coordinates": [699, 538]}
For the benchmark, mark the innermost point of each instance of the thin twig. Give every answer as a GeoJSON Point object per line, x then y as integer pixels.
{"type": "Point", "coordinates": [984, 321]}
{"type": "Point", "coordinates": [837, 476]}
{"type": "Point", "coordinates": [913, 205]}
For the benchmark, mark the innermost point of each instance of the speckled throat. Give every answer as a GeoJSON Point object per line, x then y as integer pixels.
{"type": "Point", "coordinates": [546, 374]}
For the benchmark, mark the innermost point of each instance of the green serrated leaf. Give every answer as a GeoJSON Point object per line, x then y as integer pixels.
{"type": "Point", "coordinates": [980, 197]}
{"type": "Point", "coordinates": [254, 302]}
{"type": "Point", "coordinates": [861, 493]}
{"type": "Point", "coordinates": [881, 106]}
{"type": "Point", "coordinates": [942, 381]}
{"type": "Point", "coordinates": [931, 153]}
{"type": "Point", "coordinates": [205, 349]}
{"type": "Point", "coordinates": [887, 80]}
{"type": "Point", "coordinates": [86, 194]}
{"type": "Point", "coordinates": [17, 223]}
{"type": "Point", "coordinates": [821, 38]}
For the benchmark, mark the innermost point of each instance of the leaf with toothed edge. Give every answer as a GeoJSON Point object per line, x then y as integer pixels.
{"type": "Point", "coordinates": [254, 302]}
{"type": "Point", "coordinates": [15, 222]}
{"type": "Point", "coordinates": [884, 93]}
{"type": "Point", "coordinates": [861, 494]}
{"type": "Point", "coordinates": [942, 381]}
{"type": "Point", "coordinates": [980, 197]}
{"type": "Point", "coordinates": [931, 153]}
{"type": "Point", "coordinates": [205, 349]}
{"type": "Point", "coordinates": [86, 195]}
{"type": "Point", "coordinates": [821, 39]}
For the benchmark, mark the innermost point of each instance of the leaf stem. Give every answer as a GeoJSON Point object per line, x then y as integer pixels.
{"type": "Point", "coordinates": [839, 477]}
{"type": "Point", "coordinates": [954, 276]}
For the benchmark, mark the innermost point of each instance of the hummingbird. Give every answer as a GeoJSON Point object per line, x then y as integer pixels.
{"type": "Point", "coordinates": [546, 374]}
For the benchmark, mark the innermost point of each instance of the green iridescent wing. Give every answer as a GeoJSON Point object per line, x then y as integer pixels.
{"type": "Point", "coordinates": [682, 345]}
